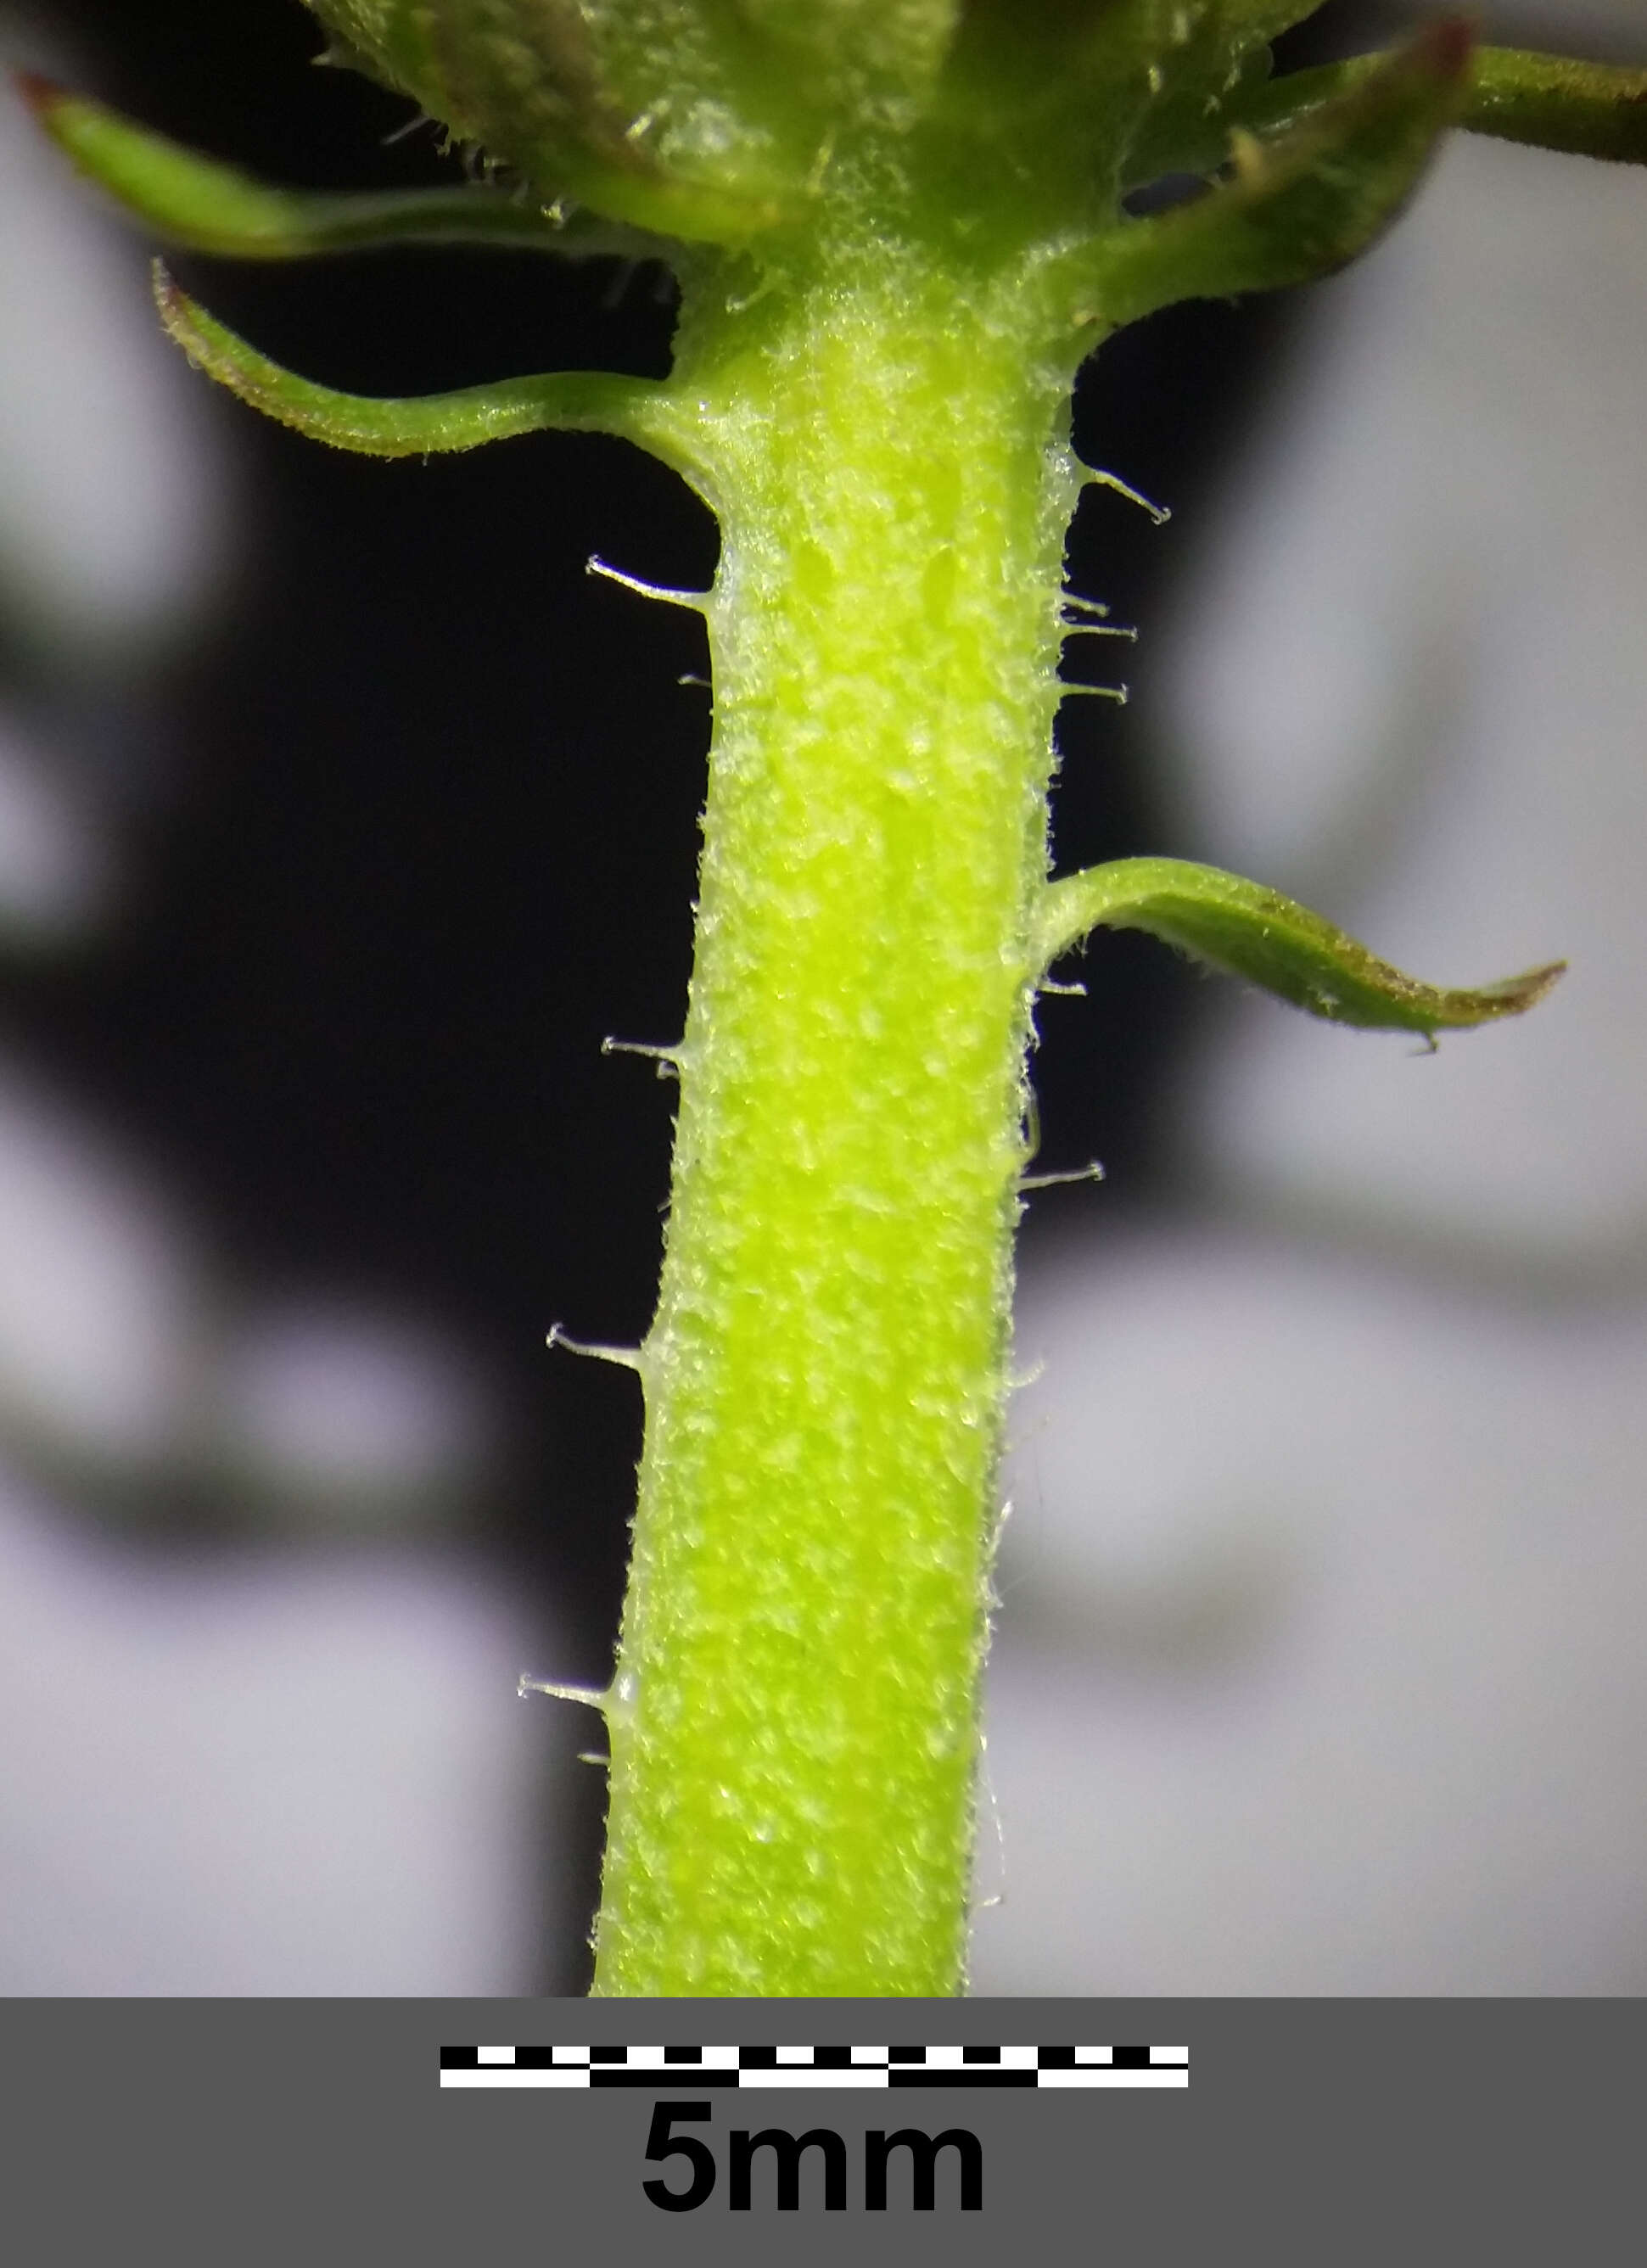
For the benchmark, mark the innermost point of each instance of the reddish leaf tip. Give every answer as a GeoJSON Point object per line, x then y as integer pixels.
{"type": "Point", "coordinates": [41, 94]}
{"type": "Point", "coordinates": [1445, 47]}
{"type": "Point", "coordinates": [1529, 988]}
{"type": "Point", "coordinates": [168, 295]}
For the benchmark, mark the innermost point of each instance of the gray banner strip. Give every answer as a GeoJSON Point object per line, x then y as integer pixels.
{"type": "Point", "coordinates": [257, 2130]}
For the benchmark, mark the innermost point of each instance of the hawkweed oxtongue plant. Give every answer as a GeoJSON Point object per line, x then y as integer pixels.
{"type": "Point", "coordinates": [898, 226]}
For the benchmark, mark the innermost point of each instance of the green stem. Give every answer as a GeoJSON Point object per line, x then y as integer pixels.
{"type": "Point", "coordinates": [794, 1720]}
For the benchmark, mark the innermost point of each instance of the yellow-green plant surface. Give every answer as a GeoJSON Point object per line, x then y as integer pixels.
{"type": "Point", "coordinates": [898, 227]}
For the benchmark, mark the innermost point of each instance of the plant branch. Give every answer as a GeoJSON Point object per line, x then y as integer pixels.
{"type": "Point", "coordinates": [871, 390]}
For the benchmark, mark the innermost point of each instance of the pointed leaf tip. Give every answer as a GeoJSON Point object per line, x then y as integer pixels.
{"type": "Point", "coordinates": [1444, 48]}
{"type": "Point", "coordinates": [39, 95]}
{"type": "Point", "coordinates": [1246, 930]}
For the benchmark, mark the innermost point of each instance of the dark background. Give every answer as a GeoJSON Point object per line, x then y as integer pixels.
{"type": "Point", "coordinates": [416, 823]}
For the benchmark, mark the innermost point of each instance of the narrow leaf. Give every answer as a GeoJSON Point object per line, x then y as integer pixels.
{"type": "Point", "coordinates": [1300, 204]}
{"type": "Point", "coordinates": [205, 206]}
{"type": "Point", "coordinates": [639, 409]}
{"type": "Point", "coordinates": [1552, 102]}
{"type": "Point", "coordinates": [1249, 931]}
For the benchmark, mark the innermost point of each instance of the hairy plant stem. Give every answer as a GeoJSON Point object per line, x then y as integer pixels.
{"type": "Point", "coordinates": [795, 1718]}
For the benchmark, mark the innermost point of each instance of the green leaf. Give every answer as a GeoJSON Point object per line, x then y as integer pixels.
{"type": "Point", "coordinates": [1188, 130]}
{"type": "Point", "coordinates": [676, 116]}
{"type": "Point", "coordinates": [1103, 93]}
{"type": "Point", "coordinates": [1551, 102]}
{"type": "Point", "coordinates": [721, 120]}
{"type": "Point", "coordinates": [1249, 931]}
{"type": "Point", "coordinates": [592, 401]}
{"type": "Point", "coordinates": [1298, 206]}
{"type": "Point", "coordinates": [198, 202]}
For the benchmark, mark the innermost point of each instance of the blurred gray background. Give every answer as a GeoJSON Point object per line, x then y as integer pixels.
{"type": "Point", "coordinates": [340, 817]}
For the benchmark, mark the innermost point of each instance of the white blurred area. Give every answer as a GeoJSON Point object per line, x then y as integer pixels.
{"type": "Point", "coordinates": [114, 523]}
{"type": "Point", "coordinates": [292, 1764]}
{"type": "Point", "coordinates": [278, 1771]}
{"type": "Point", "coordinates": [1321, 1666]}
